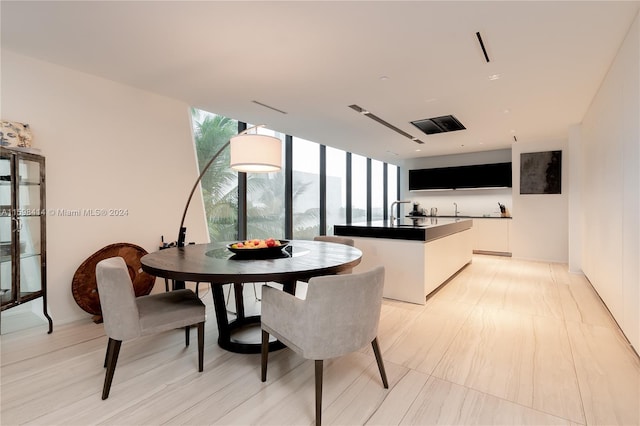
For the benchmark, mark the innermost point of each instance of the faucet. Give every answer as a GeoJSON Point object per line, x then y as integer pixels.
{"type": "Point", "coordinates": [393, 204]}
{"type": "Point", "coordinates": [455, 211]}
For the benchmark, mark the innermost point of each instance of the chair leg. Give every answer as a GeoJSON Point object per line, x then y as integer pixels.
{"type": "Point", "coordinates": [187, 331]}
{"type": "Point", "coordinates": [113, 349]}
{"type": "Point", "coordinates": [106, 355]}
{"type": "Point", "coordinates": [376, 351]}
{"type": "Point", "coordinates": [265, 355]}
{"type": "Point", "coordinates": [255, 293]}
{"type": "Point", "coordinates": [200, 346]}
{"type": "Point", "coordinates": [318, 392]}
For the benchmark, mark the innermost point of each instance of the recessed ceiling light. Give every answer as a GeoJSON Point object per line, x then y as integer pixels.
{"type": "Point", "coordinates": [494, 77]}
{"type": "Point", "coordinates": [506, 111]}
{"type": "Point", "coordinates": [392, 153]}
{"type": "Point", "coordinates": [513, 130]}
{"type": "Point", "coordinates": [418, 150]}
{"type": "Point", "coordinates": [384, 78]}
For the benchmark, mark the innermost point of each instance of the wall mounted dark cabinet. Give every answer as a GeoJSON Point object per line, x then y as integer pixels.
{"type": "Point", "coordinates": [497, 175]}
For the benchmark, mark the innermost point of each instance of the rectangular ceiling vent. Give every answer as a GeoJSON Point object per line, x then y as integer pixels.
{"type": "Point", "coordinates": [446, 123]}
{"type": "Point", "coordinates": [484, 50]}
{"type": "Point", "coordinates": [269, 106]}
{"type": "Point", "coordinates": [379, 120]}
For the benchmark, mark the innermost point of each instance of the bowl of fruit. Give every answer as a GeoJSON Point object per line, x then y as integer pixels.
{"type": "Point", "coordinates": [258, 247]}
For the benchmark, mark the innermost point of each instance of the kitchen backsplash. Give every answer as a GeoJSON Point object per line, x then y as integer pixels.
{"type": "Point", "coordinates": [476, 202]}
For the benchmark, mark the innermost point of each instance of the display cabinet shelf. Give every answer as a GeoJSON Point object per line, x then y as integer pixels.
{"type": "Point", "coordinates": [4, 259]}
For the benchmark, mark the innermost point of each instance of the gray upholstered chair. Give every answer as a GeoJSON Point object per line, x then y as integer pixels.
{"type": "Point", "coordinates": [127, 317]}
{"type": "Point", "coordinates": [335, 239]}
{"type": "Point", "coordinates": [339, 240]}
{"type": "Point", "coordinates": [340, 315]}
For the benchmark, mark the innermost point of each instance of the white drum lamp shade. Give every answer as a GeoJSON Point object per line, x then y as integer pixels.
{"type": "Point", "coordinates": [256, 153]}
{"type": "Point", "coordinates": [249, 154]}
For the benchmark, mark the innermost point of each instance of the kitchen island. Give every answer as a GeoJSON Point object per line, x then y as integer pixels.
{"type": "Point", "coordinates": [419, 255]}
{"type": "Point", "coordinates": [491, 234]}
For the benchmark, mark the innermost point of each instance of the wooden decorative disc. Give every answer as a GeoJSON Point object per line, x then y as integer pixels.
{"type": "Point", "coordinates": [85, 288]}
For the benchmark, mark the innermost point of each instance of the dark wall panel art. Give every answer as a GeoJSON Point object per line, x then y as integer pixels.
{"type": "Point", "coordinates": [540, 172]}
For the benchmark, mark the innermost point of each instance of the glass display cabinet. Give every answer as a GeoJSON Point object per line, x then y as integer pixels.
{"type": "Point", "coordinates": [22, 229]}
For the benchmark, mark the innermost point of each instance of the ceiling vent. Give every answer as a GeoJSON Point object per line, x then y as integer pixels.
{"type": "Point", "coordinates": [484, 50]}
{"type": "Point", "coordinates": [446, 123]}
{"type": "Point", "coordinates": [379, 120]}
{"type": "Point", "coordinates": [270, 107]}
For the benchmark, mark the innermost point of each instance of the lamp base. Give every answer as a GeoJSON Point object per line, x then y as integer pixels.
{"type": "Point", "coordinates": [182, 236]}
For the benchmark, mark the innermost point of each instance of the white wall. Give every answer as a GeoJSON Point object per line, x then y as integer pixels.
{"type": "Point", "coordinates": [540, 221]}
{"type": "Point", "coordinates": [611, 188]}
{"type": "Point", "coordinates": [106, 146]}
{"type": "Point", "coordinates": [539, 230]}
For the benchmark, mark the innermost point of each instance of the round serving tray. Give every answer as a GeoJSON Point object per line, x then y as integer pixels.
{"type": "Point", "coordinates": [85, 288]}
{"type": "Point", "coordinates": [258, 253]}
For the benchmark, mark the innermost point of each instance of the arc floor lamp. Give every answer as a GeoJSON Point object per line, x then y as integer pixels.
{"type": "Point", "coordinates": [250, 153]}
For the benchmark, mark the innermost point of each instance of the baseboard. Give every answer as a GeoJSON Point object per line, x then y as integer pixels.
{"type": "Point", "coordinates": [493, 253]}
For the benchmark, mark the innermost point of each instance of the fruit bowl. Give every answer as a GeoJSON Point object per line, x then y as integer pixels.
{"type": "Point", "coordinates": [257, 251]}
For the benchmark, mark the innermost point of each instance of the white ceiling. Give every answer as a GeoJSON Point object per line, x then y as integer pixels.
{"type": "Point", "coordinates": [314, 59]}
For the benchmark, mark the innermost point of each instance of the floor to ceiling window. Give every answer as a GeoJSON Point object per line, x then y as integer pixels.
{"type": "Point", "coordinates": [336, 188]}
{"type": "Point", "coordinates": [377, 190]}
{"type": "Point", "coordinates": [265, 199]}
{"type": "Point", "coordinates": [220, 184]}
{"type": "Point", "coordinates": [393, 191]}
{"type": "Point", "coordinates": [358, 188]}
{"type": "Point", "coordinates": [282, 205]}
{"type": "Point", "coordinates": [306, 189]}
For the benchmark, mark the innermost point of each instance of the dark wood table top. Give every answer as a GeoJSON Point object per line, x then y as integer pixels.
{"type": "Point", "coordinates": [214, 263]}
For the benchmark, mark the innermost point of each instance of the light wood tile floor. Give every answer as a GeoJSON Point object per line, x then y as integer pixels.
{"type": "Point", "coordinates": [504, 342]}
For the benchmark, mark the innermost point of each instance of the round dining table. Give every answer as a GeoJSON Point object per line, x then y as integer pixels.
{"type": "Point", "coordinates": [216, 264]}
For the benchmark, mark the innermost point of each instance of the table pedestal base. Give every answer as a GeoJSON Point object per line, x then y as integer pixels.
{"type": "Point", "coordinates": [245, 347]}
{"type": "Point", "coordinates": [226, 328]}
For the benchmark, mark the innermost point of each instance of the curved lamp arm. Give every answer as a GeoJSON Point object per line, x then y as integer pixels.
{"type": "Point", "coordinates": [182, 232]}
